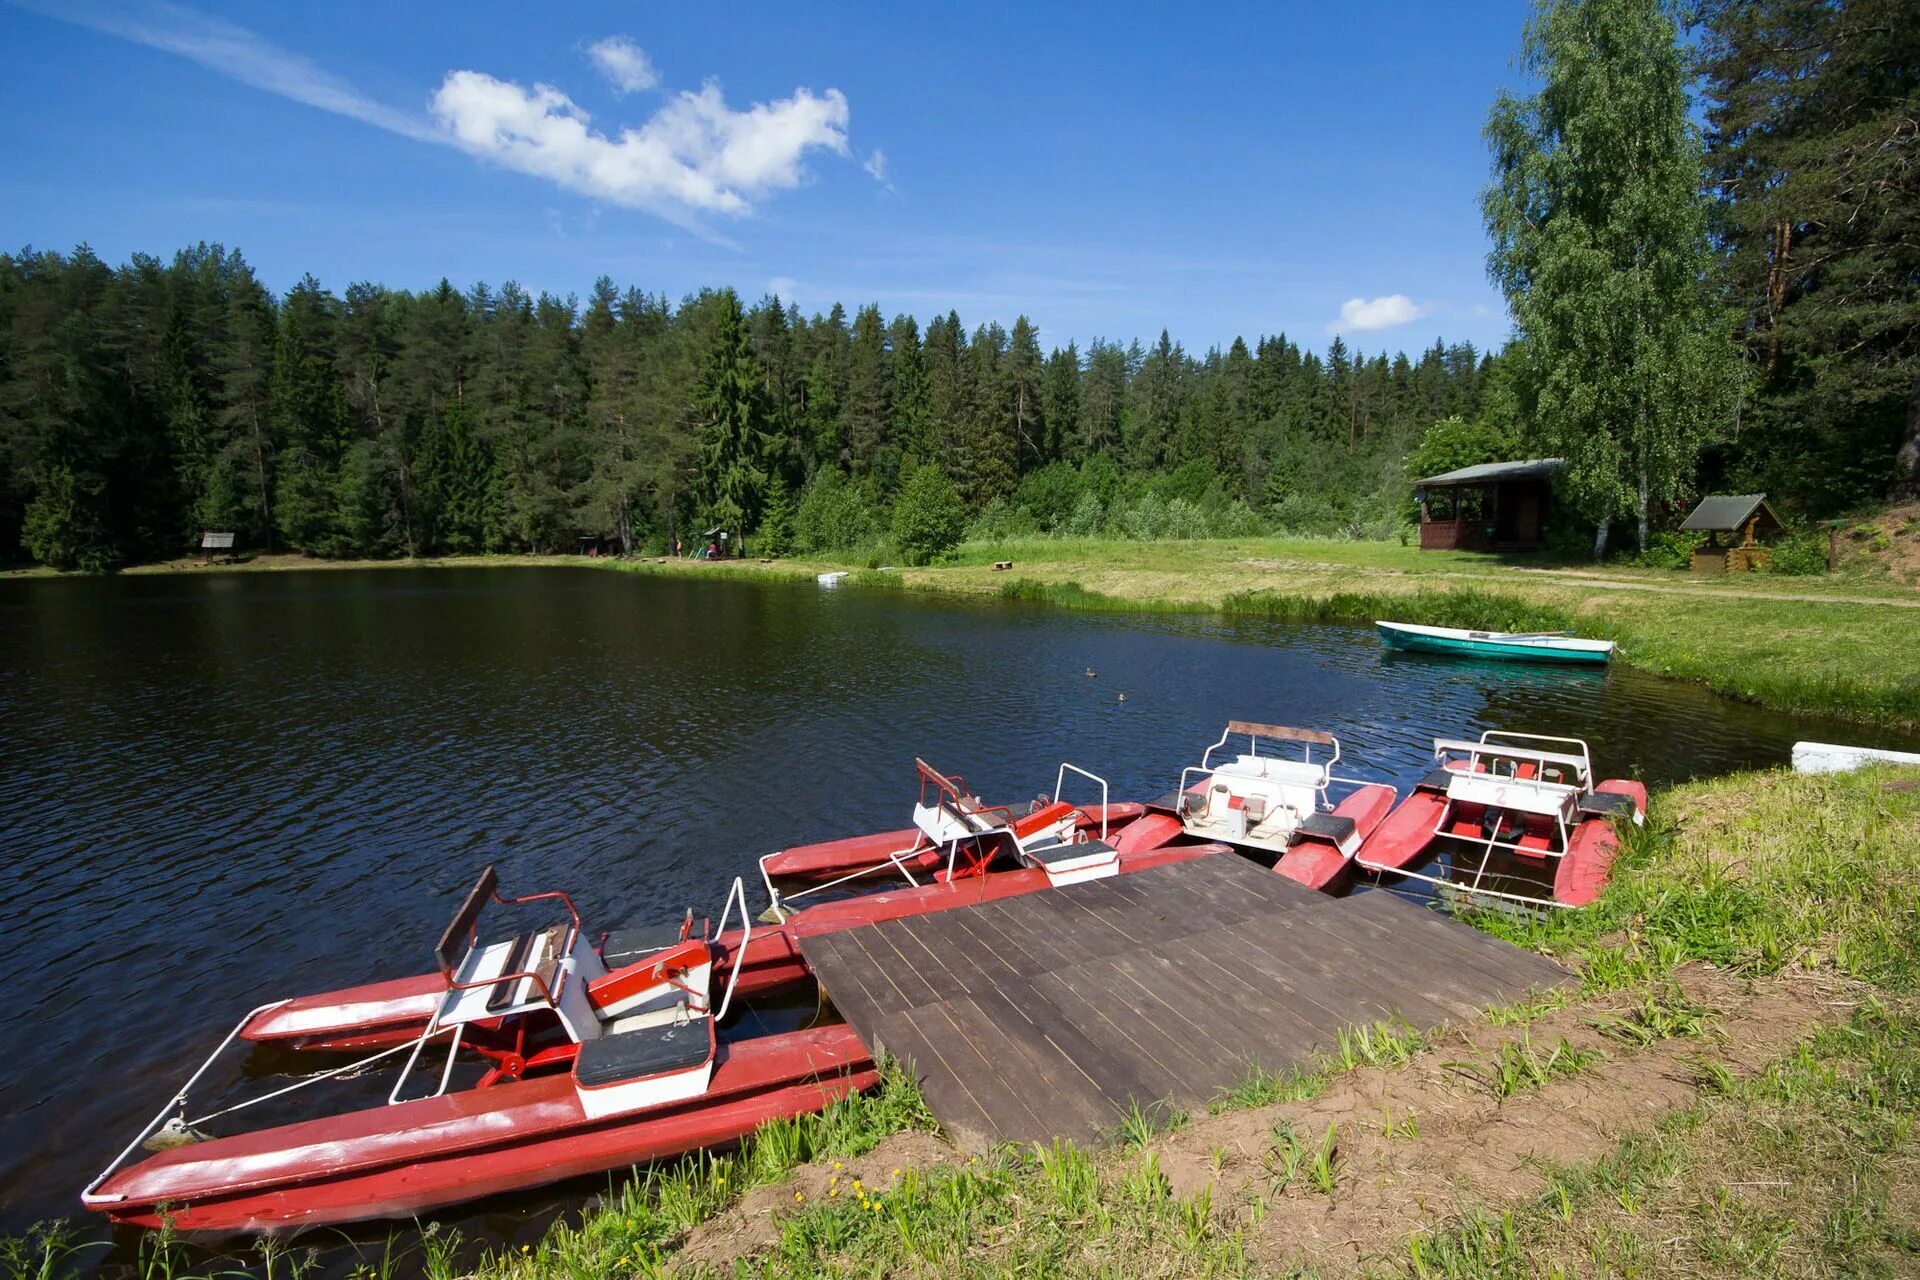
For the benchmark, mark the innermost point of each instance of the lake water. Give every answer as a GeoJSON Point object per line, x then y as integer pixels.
{"type": "Point", "coordinates": [217, 790]}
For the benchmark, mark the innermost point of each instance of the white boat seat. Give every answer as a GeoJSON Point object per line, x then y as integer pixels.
{"type": "Point", "coordinates": [541, 950]}
{"type": "Point", "coordinates": [1287, 773]}
{"type": "Point", "coordinates": [1256, 810]}
{"type": "Point", "coordinates": [1515, 794]}
{"type": "Point", "coordinates": [642, 1052]}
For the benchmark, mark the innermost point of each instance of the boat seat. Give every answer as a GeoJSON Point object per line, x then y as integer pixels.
{"type": "Point", "coordinates": [642, 1052]}
{"type": "Point", "coordinates": [1606, 804]}
{"type": "Point", "coordinates": [671, 998]}
{"type": "Point", "coordinates": [624, 946]}
{"type": "Point", "coordinates": [1256, 810]}
{"type": "Point", "coordinates": [544, 943]}
{"type": "Point", "coordinates": [1048, 855]}
{"type": "Point", "coordinates": [1435, 781]}
{"type": "Point", "coordinates": [1335, 828]}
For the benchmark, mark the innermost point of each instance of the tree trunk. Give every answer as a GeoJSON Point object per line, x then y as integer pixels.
{"type": "Point", "coordinates": [1643, 508]}
{"type": "Point", "coordinates": [626, 531]}
{"type": "Point", "coordinates": [1600, 540]}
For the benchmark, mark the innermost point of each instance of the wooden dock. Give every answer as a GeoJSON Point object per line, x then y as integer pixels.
{"type": "Point", "coordinates": [1050, 1014]}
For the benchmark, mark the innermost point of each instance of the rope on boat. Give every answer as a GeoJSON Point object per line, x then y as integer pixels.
{"type": "Point", "coordinates": [303, 1083]}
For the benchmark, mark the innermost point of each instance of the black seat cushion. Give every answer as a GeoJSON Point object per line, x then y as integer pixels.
{"type": "Point", "coordinates": [1605, 804]}
{"type": "Point", "coordinates": [624, 946]}
{"type": "Point", "coordinates": [1047, 855]}
{"type": "Point", "coordinates": [644, 1051]}
{"type": "Point", "coordinates": [1436, 781]}
{"type": "Point", "coordinates": [1326, 826]}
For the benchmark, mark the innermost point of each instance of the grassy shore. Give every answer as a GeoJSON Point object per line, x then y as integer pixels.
{"type": "Point", "coordinates": [1729, 1090]}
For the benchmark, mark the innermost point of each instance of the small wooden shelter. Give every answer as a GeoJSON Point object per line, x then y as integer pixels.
{"type": "Point", "coordinates": [1495, 506]}
{"type": "Point", "coordinates": [1744, 517]}
{"type": "Point", "coordinates": [216, 546]}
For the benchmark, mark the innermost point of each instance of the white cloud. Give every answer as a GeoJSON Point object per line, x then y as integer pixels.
{"type": "Point", "coordinates": [1377, 313]}
{"type": "Point", "coordinates": [783, 288]}
{"type": "Point", "coordinates": [625, 63]}
{"type": "Point", "coordinates": [876, 166]}
{"type": "Point", "coordinates": [695, 154]}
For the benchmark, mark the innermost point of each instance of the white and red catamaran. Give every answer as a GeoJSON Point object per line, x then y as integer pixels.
{"type": "Point", "coordinates": [1509, 811]}
{"type": "Point", "coordinates": [595, 1058]}
{"type": "Point", "coordinates": [1282, 806]}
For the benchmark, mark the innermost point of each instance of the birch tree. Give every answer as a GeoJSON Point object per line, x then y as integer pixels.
{"type": "Point", "coordinates": [1599, 230]}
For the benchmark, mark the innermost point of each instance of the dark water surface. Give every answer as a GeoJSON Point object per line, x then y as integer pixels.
{"type": "Point", "coordinates": [219, 790]}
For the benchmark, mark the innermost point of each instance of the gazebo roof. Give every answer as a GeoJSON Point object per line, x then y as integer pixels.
{"type": "Point", "coordinates": [1725, 512]}
{"type": "Point", "coordinates": [1494, 472]}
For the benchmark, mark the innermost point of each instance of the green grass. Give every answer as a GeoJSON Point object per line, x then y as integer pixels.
{"type": "Point", "coordinates": [1796, 1172]}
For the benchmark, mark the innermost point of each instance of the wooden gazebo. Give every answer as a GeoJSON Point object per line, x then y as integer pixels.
{"type": "Point", "coordinates": [1495, 506]}
{"type": "Point", "coordinates": [1742, 516]}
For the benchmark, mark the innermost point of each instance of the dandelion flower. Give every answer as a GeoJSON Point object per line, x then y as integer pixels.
{"type": "Point", "coordinates": [874, 1205]}
{"type": "Point", "coordinates": [837, 1166]}
{"type": "Point", "coordinates": [856, 1184]}
{"type": "Point", "coordinates": [896, 1173]}
{"type": "Point", "coordinates": [798, 1196]}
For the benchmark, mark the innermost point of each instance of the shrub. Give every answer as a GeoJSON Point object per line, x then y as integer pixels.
{"type": "Point", "coordinates": [1801, 555]}
{"type": "Point", "coordinates": [1088, 518]}
{"type": "Point", "coordinates": [1671, 550]}
{"type": "Point", "coordinates": [1185, 520]}
{"type": "Point", "coordinates": [929, 517]}
{"type": "Point", "coordinates": [832, 516]}
{"type": "Point", "coordinates": [998, 522]}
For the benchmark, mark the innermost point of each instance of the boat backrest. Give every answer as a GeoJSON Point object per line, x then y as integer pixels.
{"type": "Point", "coordinates": [458, 935]}
{"type": "Point", "coordinates": [1515, 795]}
{"type": "Point", "coordinates": [1559, 767]}
{"type": "Point", "coordinates": [1294, 783]}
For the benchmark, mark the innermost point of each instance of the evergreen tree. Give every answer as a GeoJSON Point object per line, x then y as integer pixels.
{"type": "Point", "coordinates": [1600, 245]}
{"type": "Point", "coordinates": [731, 414]}
{"type": "Point", "coordinates": [1814, 151]}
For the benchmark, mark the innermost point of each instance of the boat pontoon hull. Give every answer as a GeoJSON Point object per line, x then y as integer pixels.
{"type": "Point", "coordinates": [1317, 861]}
{"type": "Point", "coordinates": [411, 1157]}
{"type": "Point", "coordinates": [830, 859]}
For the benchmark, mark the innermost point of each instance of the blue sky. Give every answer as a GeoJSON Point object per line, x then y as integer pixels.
{"type": "Point", "coordinates": [1107, 171]}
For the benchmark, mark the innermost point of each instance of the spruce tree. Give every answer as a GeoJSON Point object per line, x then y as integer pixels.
{"type": "Point", "coordinates": [731, 413]}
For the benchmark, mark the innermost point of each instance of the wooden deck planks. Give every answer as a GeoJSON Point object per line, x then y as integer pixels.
{"type": "Point", "coordinates": [1050, 1014]}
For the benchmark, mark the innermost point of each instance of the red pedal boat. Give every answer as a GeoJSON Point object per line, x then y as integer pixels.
{"type": "Point", "coordinates": [1282, 806]}
{"type": "Point", "coordinates": [1527, 798]}
{"type": "Point", "coordinates": [947, 811]}
{"type": "Point", "coordinates": [977, 865]}
{"type": "Point", "coordinates": [587, 1067]}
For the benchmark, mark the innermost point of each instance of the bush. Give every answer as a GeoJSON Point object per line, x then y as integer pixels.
{"type": "Point", "coordinates": [1671, 550]}
{"type": "Point", "coordinates": [833, 516]}
{"type": "Point", "coordinates": [1049, 495]}
{"type": "Point", "coordinates": [1185, 520]}
{"type": "Point", "coordinates": [1088, 518]}
{"type": "Point", "coordinates": [1307, 513]}
{"type": "Point", "coordinates": [929, 517]}
{"type": "Point", "coordinates": [1801, 555]}
{"type": "Point", "coordinates": [998, 522]}
{"type": "Point", "coordinates": [1142, 519]}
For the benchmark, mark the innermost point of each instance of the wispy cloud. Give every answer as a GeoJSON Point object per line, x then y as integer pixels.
{"type": "Point", "coordinates": [624, 63]}
{"type": "Point", "coordinates": [876, 166]}
{"type": "Point", "coordinates": [1386, 312]}
{"type": "Point", "coordinates": [238, 54]}
{"type": "Point", "coordinates": [695, 157]}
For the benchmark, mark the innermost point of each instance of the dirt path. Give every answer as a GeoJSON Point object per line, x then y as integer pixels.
{"type": "Point", "coordinates": [1414, 1145]}
{"type": "Point", "coordinates": [1738, 593]}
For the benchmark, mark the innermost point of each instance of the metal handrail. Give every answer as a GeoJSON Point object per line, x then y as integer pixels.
{"type": "Point", "coordinates": [776, 901]}
{"type": "Point", "coordinates": [738, 892]}
{"type": "Point", "coordinates": [179, 1099]}
{"type": "Point", "coordinates": [1059, 784]}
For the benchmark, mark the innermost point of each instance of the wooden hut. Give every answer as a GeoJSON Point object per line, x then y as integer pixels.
{"type": "Point", "coordinates": [1495, 506]}
{"type": "Point", "coordinates": [1744, 517]}
{"type": "Point", "coordinates": [216, 545]}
